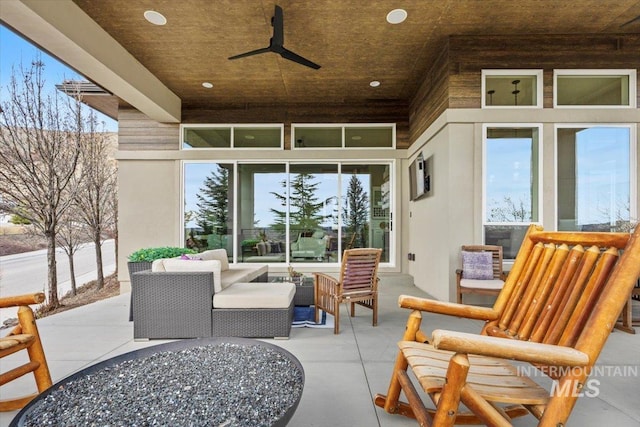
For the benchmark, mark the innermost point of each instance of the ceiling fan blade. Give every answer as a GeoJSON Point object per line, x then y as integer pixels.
{"type": "Point", "coordinates": [631, 21]}
{"type": "Point", "coordinates": [251, 53]}
{"type": "Point", "coordinates": [287, 54]}
{"type": "Point", "coordinates": [276, 43]}
{"type": "Point", "coordinates": [278, 27]}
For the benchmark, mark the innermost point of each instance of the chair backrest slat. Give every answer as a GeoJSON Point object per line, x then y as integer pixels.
{"type": "Point", "coordinates": [554, 301]}
{"type": "Point", "coordinates": [557, 287]}
{"type": "Point", "coordinates": [520, 286]}
{"type": "Point", "coordinates": [528, 298]}
{"type": "Point", "coordinates": [570, 300]}
{"type": "Point", "coordinates": [359, 269]}
{"type": "Point", "coordinates": [545, 291]}
{"type": "Point", "coordinates": [589, 297]}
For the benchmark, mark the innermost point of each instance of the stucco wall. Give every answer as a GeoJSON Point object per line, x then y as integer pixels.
{"type": "Point", "coordinates": [439, 223]}
{"type": "Point", "coordinates": [149, 202]}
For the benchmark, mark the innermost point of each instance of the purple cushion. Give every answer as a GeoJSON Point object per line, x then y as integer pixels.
{"type": "Point", "coordinates": [477, 265]}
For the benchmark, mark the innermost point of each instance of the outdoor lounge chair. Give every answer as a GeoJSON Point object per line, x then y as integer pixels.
{"type": "Point", "coordinates": [357, 284]}
{"type": "Point", "coordinates": [24, 336]}
{"type": "Point", "coordinates": [556, 310]}
{"type": "Point", "coordinates": [481, 271]}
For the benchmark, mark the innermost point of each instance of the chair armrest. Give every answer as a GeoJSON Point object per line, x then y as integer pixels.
{"type": "Point", "coordinates": [449, 308]}
{"type": "Point", "coordinates": [325, 284]}
{"type": "Point", "coordinates": [17, 300]}
{"type": "Point", "coordinates": [325, 278]}
{"type": "Point", "coordinates": [504, 348]}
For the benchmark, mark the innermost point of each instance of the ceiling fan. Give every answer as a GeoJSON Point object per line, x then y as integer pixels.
{"type": "Point", "coordinates": [276, 44]}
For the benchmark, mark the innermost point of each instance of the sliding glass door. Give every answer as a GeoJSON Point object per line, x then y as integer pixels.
{"type": "Point", "coordinates": [288, 212]}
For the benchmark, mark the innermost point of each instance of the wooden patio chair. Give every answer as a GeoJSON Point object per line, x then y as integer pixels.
{"type": "Point", "coordinates": [357, 284]}
{"type": "Point", "coordinates": [556, 310]}
{"type": "Point", "coordinates": [23, 337]}
{"type": "Point", "coordinates": [485, 279]}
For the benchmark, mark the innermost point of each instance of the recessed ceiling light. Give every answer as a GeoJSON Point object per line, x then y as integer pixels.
{"type": "Point", "coordinates": [207, 85]}
{"type": "Point", "coordinates": [374, 83]}
{"type": "Point", "coordinates": [396, 16]}
{"type": "Point", "coordinates": [156, 18]}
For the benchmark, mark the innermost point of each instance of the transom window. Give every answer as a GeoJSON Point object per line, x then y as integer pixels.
{"type": "Point", "coordinates": [232, 136]}
{"type": "Point", "coordinates": [511, 88]}
{"type": "Point", "coordinates": [345, 136]}
{"type": "Point", "coordinates": [594, 88]}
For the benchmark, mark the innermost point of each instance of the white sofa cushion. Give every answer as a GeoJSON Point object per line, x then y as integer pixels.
{"type": "Point", "coordinates": [242, 273]}
{"type": "Point", "coordinates": [481, 284]}
{"type": "Point", "coordinates": [177, 264]}
{"type": "Point", "coordinates": [255, 295]}
{"type": "Point", "coordinates": [215, 254]}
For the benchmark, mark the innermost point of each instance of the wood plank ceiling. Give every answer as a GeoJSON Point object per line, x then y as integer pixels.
{"type": "Point", "coordinates": [351, 40]}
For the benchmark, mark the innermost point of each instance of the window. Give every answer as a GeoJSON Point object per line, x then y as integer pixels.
{"type": "Point", "coordinates": [594, 178]}
{"type": "Point", "coordinates": [368, 137]}
{"type": "Point", "coordinates": [208, 201]}
{"type": "Point", "coordinates": [594, 88]}
{"type": "Point", "coordinates": [511, 88]}
{"type": "Point", "coordinates": [511, 188]}
{"type": "Point", "coordinates": [206, 137]}
{"type": "Point", "coordinates": [237, 136]}
{"type": "Point", "coordinates": [317, 137]}
{"type": "Point", "coordinates": [262, 191]}
{"type": "Point", "coordinates": [365, 211]}
{"type": "Point", "coordinates": [287, 212]}
{"type": "Point", "coordinates": [347, 136]}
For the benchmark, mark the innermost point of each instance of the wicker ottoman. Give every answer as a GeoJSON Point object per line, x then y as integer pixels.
{"type": "Point", "coordinates": [253, 310]}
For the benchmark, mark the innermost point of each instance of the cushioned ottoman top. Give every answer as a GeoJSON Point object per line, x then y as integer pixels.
{"type": "Point", "coordinates": [255, 295]}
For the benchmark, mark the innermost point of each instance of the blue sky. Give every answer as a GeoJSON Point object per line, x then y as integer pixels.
{"type": "Point", "coordinates": [14, 50]}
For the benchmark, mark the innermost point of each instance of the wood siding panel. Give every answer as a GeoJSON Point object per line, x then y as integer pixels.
{"type": "Point", "coordinates": [136, 131]}
{"type": "Point", "coordinates": [432, 98]}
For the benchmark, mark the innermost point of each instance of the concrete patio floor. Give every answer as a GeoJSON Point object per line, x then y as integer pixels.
{"type": "Point", "coordinates": [343, 372]}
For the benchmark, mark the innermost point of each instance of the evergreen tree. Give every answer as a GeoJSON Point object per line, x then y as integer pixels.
{"type": "Point", "coordinates": [356, 211]}
{"type": "Point", "coordinates": [213, 202]}
{"type": "Point", "coordinates": [304, 206]}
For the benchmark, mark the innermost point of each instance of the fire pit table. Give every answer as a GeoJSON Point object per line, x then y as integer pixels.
{"type": "Point", "coordinates": [204, 382]}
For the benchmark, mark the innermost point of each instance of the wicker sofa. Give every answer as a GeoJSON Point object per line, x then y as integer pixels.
{"type": "Point", "coordinates": [181, 298]}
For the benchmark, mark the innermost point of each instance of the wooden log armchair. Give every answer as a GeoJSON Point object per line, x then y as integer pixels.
{"type": "Point", "coordinates": [556, 310]}
{"type": "Point", "coordinates": [23, 337]}
{"type": "Point", "coordinates": [357, 284]}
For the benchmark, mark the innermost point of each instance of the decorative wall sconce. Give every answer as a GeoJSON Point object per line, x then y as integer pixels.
{"type": "Point", "coordinates": [515, 92]}
{"type": "Point", "coordinates": [490, 93]}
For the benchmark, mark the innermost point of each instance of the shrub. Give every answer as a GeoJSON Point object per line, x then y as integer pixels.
{"type": "Point", "coordinates": [152, 254]}
{"type": "Point", "coordinates": [250, 243]}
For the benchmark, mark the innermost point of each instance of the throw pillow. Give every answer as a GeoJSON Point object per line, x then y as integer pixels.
{"type": "Point", "coordinates": [477, 265]}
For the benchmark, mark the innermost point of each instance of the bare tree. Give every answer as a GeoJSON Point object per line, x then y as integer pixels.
{"type": "Point", "coordinates": [70, 237]}
{"type": "Point", "coordinates": [509, 211]}
{"type": "Point", "coordinates": [96, 200]}
{"type": "Point", "coordinates": [38, 158]}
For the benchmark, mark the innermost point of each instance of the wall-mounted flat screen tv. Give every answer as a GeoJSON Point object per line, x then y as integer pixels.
{"type": "Point", "coordinates": [420, 177]}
